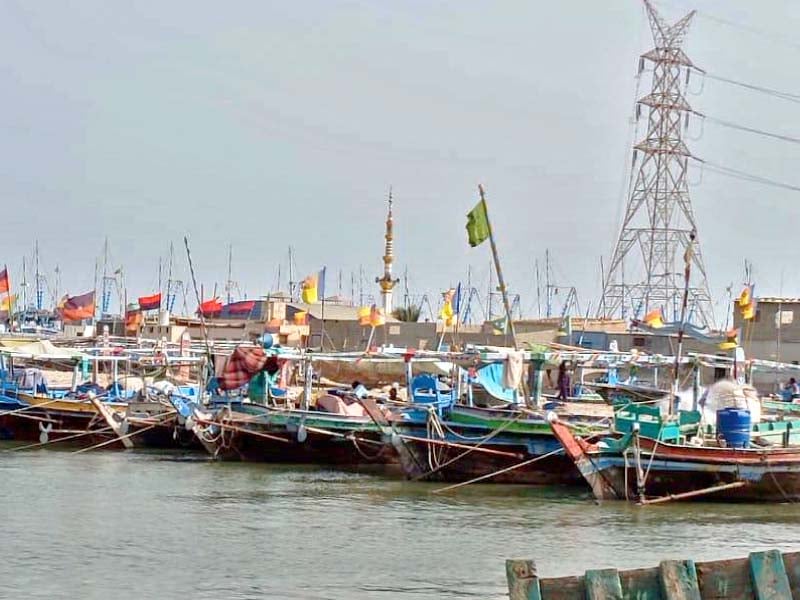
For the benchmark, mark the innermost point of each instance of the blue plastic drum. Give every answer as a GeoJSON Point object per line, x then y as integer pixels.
{"type": "Point", "coordinates": [733, 425]}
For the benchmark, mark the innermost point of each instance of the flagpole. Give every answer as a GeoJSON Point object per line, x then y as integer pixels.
{"type": "Point", "coordinates": [8, 298]}
{"type": "Point", "coordinates": [500, 279]}
{"type": "Point", "coordinates": [321, 290]}
{"type": "Point", "coordinates": [687, 258]}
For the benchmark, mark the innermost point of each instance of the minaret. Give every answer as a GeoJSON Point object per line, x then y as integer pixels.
{"type": "Point", "coordinates": [386, 282]}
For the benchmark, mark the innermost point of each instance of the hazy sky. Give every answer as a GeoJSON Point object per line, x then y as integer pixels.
{"type": "Point", "coordinates": [267, 124]}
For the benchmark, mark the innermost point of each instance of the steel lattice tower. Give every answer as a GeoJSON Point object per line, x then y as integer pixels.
{"type": "Point", "coordinates": [646, 270]}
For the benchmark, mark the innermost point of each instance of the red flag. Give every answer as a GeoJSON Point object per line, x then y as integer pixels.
{"type": "Point", "coordinates": [133, 319]}
{"type": "Point", "coordinates": [150, 302]}
{"type": "Point", "coordinates": [210, 308]}
{"type": "Point", "coordinates": [80, 307]}
{"type": "Point", "coordinates": [4, 284]}
{"type": "Point", "coordinates": [243, 307]}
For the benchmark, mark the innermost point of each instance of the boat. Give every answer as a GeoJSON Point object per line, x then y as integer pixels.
{"type": "Point", "coordinates": [85, 413]}
{"type": "Point", "coordinates": [762, 575]}
{"type": "Point", "coordinates": [651, 458]}
{"type": "Point", "coordinates": [246, 431]}
{"type": "Point", "coordinates": [498, 445]}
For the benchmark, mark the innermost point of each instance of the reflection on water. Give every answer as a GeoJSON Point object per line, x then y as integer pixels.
{"type": "Point", "coordinates": [159, 525]}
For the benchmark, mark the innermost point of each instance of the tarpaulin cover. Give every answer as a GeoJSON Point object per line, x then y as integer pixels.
{"type": "Point", "coordinates": [491, 378]}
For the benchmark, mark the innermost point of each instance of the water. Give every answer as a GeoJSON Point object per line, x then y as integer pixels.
{"type": "Point", "coordinates": [161, 525]}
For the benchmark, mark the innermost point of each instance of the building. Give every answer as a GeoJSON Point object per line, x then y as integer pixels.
{"type": "Point", "coordinates": [773, 334]}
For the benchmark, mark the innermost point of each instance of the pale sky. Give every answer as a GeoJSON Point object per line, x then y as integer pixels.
{"type": "Point", "coordinates": [265, 124]}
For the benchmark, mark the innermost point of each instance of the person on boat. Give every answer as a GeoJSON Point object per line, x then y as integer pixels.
{"type": "Point", "coordinates": [393, 392]}
{"type": "Point", "coordinates": [358, 390]}
{"type": "Point", "coordinates": [792, 390]}
{"type": "Point", "coordinates": [563, 381]}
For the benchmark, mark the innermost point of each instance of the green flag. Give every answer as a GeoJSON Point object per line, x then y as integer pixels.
{"type": "Point", "coordinates": [478, 224]}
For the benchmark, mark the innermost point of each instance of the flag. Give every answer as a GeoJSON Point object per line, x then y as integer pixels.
{"type": "Point", "coordinates": [565, 328]}
{"type": "Point", "coordinates": [376, 316]}
{"type": "Point", "coordinates": [5, 285]}
{"type": "Point", "coordinates": [313, 287]}
{"type": "Point", "coordinates": [447, 313]}
{"type": "Point", "coordinates": [478, 224]}
{"type": "Point", "coordinates": [731, 340]}
{"type": "Point", "coordinates": [7, 303]}
{"type": "Point", "coordinates": [364, 316]}
{"type": "Point", "coordinates": [210, 308]}
{"type": "Point", "coordinates": [133, 319]}
{"type": "Point", "coordinates": [243, 307]}
{"type": "Point", "coordinates": [321, 283]}
{"type": "Point", "coordinates": [150, 302]}
{"type": "Point", "coordinates": [310, 292]}
{"type": "Point", "coordinates": [747, 303]}
{"type": "Point", "coordinates": [75, 308]}
{"type": "Point", "coordinates": [498, 325]}
{"type": "Point", "coordinates": [654, 319]}
{"type": "Point", "coordinates": [457, 300]}
{"type": "Point", "coordinates": [746, 297]}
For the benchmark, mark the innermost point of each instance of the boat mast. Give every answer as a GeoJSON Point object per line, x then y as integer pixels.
{"type": "Point", "coordinates": [170, 300]}
{"type": "Point", "coordinates": [38, 282]}
{"type": "Point", "coordinates": [24, 285]}
{"type": "Point", "coordinates": [106, 295]}
{"type": "Point", "coordinates": [291, 276]}
{"type": "Point", "coordinates": [489, 295]}
{"type": "Point", "coordinates": [548, 292]}
{"type": "Point", "coordinates": [538, 289]}
{"type": "Point", "coordinates": [228, 283]}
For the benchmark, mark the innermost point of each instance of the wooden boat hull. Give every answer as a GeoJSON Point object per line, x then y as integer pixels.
{"type": "Point", "coordinates": [479, 442]}
{"type": "Point", "coordinates": [420, 460]}
{"type": "Point", "coordinates": [300, 437]}
{"type": "Point", "coordinates": [670, 471]}
{"type": "Point", "coordinates": [51, 421]}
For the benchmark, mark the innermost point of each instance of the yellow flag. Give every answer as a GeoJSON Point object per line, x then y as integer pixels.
{"type": "Point", "coordinates": [309, 290]}
{"type": "Point", "coordinates": [7, 302]}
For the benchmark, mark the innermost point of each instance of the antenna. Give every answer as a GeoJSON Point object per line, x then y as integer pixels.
{"type": "Point", "coordinates": [659, 219]}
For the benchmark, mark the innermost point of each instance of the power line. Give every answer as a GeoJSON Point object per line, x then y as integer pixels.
{"type": "Point", "coordinates": [769, 35]}
{"type": "Point", "coordinates": [744, 176]}
{"type": "Point", "coordinates": [769, 134]}
{"type": "Point", "coordinates": [756, 88]}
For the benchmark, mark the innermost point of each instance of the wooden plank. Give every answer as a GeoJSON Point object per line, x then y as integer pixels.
{"type": "Point", "coordinates": [523, 582]}
{"type": "Point", "coordinates": [562, 588]}
{"type": "Point", "coordinates": [728, 579]}
{"type": "Point", "coordinates": [791, 560]}
{"type": "Point", "coordinates": [603, 584]}
{"type": "Point", "coordinates": [679, 580]}
{"type": "Point", "coordinates": [641, 584]}
{"type": "Point", "coordinates": [769, 576]}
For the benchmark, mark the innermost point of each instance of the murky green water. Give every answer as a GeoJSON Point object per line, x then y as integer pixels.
{"type": "Point", "coordinates": [159, 525]}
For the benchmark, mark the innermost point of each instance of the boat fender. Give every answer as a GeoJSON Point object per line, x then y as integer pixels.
{"type": "Point", "coordinates": [123, 426]}
{"type": "Point", "coordinates": [635, 427]}
{"type": "Point", "coordinates": [302, 433]}
{"type": "Point", "coordinates": [552, 417]}
{"type": "Point", "coordinates": [189, 423]}
{"type": "Point", "coordinates": [45, 430]}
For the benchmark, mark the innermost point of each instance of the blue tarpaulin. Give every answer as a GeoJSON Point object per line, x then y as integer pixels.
{"type": "Point", "coordinates": [491, 378]}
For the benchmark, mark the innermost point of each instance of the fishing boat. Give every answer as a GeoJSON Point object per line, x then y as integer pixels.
{"type": "Point", "coordinates": [761, 575]}
{"type": "Point", "coordinates": [651, 458]}
{"type": "Point", "coordinates": [83, 413]}
{"type": "Point", "coordinates": [497, 445]}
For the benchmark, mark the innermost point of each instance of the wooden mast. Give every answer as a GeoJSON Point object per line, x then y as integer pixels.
{"type": "Point", "coordinates": [500, 280]}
